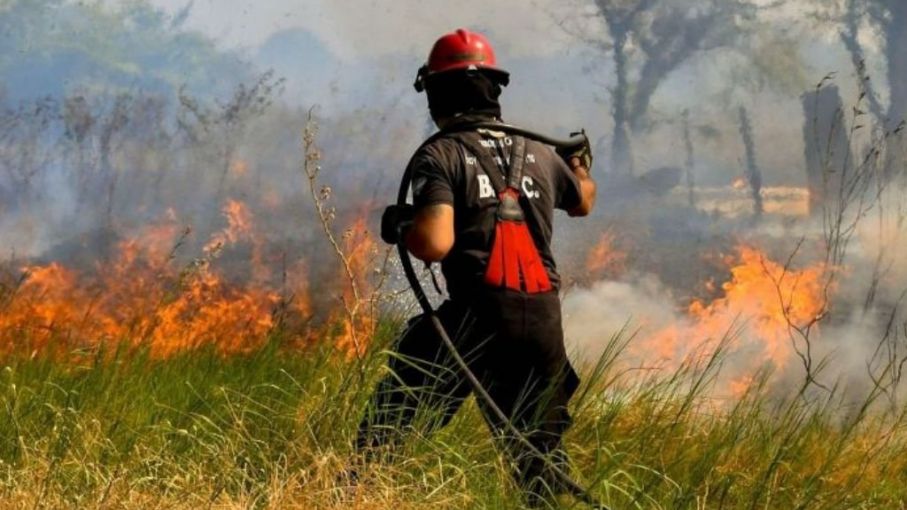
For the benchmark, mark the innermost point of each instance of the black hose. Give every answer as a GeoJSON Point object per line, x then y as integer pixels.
{"type": "Point", "coordinates": [576, 489]}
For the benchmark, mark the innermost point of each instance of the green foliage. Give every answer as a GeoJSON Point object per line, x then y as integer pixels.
{"type": "Point", "coordinates": [53, 46]}
{"type": "Point", "coordinates": [273, 429]}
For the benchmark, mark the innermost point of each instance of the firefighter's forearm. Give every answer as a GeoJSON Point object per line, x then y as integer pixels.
{"type": "Point", "coordinates": [587, 191]}
{"type": "Point", "coordinates": [424, 247]}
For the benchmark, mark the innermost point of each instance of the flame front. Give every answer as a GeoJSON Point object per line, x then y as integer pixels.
{"type": "Point", "coordinates": [605, 259]}
{"type": "Point", "coordinates": [759, 311]}
{"type": "Point", "coordinates": [142, 298]}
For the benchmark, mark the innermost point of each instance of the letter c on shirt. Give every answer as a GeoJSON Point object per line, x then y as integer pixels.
{"type": "Point", "coordinates": [528, 188]}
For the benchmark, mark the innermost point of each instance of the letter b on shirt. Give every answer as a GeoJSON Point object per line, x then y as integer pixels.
{"type": "Point", "coordinates": [485, 188]}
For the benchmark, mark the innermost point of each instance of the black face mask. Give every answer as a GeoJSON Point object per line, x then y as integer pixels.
{"type": "Point", "coordinates": [467, 92]}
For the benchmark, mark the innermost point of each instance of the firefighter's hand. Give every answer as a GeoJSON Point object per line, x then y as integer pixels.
{"type": "Point", "coordinates": [395, 220]}
{"type": "Point", "coordinates": [582, 152]}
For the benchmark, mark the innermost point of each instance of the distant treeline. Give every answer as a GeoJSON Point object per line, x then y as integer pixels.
{"type": "Point", "coordinates": [55, 47]}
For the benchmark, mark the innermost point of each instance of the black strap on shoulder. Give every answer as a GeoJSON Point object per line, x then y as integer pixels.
{"type": "Point", "coordinates": [514, 168]}
{"type": "Point", "coordinates": [517, 159]}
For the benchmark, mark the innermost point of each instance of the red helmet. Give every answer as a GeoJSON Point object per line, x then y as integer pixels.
{"type": "Point", "coordinates": [461, 50]}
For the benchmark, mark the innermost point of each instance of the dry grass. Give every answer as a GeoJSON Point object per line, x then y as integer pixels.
{"type": "Point", "coordinates": [274, 429]}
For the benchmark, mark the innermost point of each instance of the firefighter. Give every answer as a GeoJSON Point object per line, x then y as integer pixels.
{"type": "Point", "coordinates": [484, 204]}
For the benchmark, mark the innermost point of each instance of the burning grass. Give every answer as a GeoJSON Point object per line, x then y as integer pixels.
{"type": "Point", "coordinates": [143, 297]}
{"type": "Point", "coordinates": [772, 301]}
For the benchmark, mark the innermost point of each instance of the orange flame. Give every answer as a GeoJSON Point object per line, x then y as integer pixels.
{"type": "Point", "coordinates": [605, 259]}
{"type": "Point", "coordinates": [239, 224]}
{"type": "Point", "coordinates": [764, 297]}
{"type": "Point", "coordinates": [361, 251]}
{"type": "Point", "coordinates": [140, 298]}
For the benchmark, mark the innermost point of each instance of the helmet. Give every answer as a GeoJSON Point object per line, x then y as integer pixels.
{"type": "Point", "coordinates": [461, 50]}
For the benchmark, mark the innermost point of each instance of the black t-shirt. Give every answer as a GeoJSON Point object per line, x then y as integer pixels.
{"type": "Point", "coordinates": [447, 172]}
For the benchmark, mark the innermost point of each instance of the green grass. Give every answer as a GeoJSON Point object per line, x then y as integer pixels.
{"type": "Point", "coordinates": [273, 429]}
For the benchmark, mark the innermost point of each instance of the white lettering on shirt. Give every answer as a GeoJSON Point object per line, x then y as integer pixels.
{"type": "Point", "coordinates": [529, 188]}
{"type": "Point", "coordinates": [485, 188]}
{"type": "Point", "coordinates": [490, 144]}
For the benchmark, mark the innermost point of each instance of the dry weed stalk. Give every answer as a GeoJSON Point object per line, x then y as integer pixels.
{"type": "Point", "coordinates": [363, 305]}
{"type": "Point", "coordinates": [853, 191]}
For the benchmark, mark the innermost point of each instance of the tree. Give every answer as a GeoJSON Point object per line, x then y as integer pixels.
{"type": "Point", "coordinates": [649, 39]}
{"type": "Point", "coordinates": [53, 47]}
{"type": "Point", "coordinates": [225, 125]}
{"type": "Point", "coordinates": [888, 19]}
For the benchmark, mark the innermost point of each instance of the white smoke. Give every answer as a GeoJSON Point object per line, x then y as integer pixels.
{"type": "Point", "coordinates": [595, 314]}
{"type": "Point", "coordinates": [863, 336]}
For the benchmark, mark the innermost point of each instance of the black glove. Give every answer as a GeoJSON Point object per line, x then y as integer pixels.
{"type": "Point", "coordinates": [583, 151]}
{"type": "Point", "coordinates": [395, 220]}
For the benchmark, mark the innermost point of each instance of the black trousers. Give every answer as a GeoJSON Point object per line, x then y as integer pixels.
{"type": "Point", "coordinates": [514, 343]}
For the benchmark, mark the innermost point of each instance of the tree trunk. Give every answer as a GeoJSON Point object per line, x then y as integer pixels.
{"type": "Point", "coordinates": [689, 165]}
{"type": "Point", "coordinates": [621, 148]}
{"type": "Point", "coordinates": [753, 173]}
{"type": "Point", "coordinates": [826, 147]}
{"type": "Point", "coordinates": [896, 55]}
{"type": "Point", "coordinates": [851, 39]}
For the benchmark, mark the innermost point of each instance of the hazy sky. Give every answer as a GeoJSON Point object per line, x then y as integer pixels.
{"type": "Point", "coordinates": [355, 28]}
{"type": "Point", "coordinates": [355, 31]}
